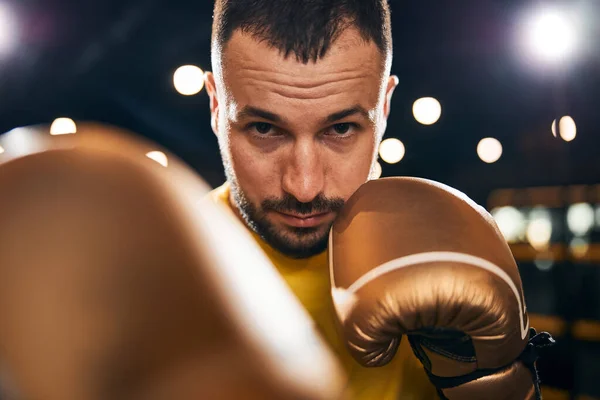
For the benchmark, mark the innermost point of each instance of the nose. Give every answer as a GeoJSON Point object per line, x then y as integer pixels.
{"type": "Point", "coordinates": [304, 173]}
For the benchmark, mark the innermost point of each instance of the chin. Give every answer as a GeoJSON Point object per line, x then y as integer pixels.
{"type": "Point", "coordinates": [303, 242]}
{"type": "Point", "coordinates": [292, 241]}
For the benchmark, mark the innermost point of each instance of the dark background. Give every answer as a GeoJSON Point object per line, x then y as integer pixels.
{"type": "Point", "coordinates": [113, 61]}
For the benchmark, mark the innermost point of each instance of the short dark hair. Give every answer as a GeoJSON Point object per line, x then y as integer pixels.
{"type": "Point", "coordinates": [305, 28]}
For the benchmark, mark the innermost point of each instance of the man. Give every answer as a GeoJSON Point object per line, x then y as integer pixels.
{"type": "Point", "coordinates": [299, 96]}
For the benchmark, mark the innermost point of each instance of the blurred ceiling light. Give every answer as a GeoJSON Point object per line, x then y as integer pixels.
{"type": "Point", "coordinates": [489, 150]}
{"type": "Point", "coordinates": [539, 233]}
{"type": "Point", "coordinates": [579, 247]}
{"type": "Point", "coordinates": [391, 151]}
{"type": "Point", "coordinates": [543, 264]}
{"type": "Point", "coordinates": [539, 212]}
{"type": "Point", "coordinates": [188, 80]}
{"type": "Point", "coordinates": [427, 110]}
{"type": "Point", "coordinates": [8, 31]}
{"type": "Point", "coordinates": [377, 171]}
{"type": "Point", "coordinates": [159, 157]}
{"type": "Point", "coordinates": [63, 126]}
{"type": "Point", "coordinates": [511, 223]}
{"type": "Point", "coordinates": [539, 229]}
{"type": "Point", "coordinates": [551, 35]}
{"type": "Point", "coordinates": [580, 218]}
{"type": "Point", "coordinates": [566, 128]}
{"type": "Point", "coordinates": [1, 149]}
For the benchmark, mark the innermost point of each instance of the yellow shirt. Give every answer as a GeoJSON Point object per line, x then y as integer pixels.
{"type": "Point", "coordinates": [403, 378]}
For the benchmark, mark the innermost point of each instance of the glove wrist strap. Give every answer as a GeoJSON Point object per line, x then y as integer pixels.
{"type": "Point", "coordinates": [528, 358]}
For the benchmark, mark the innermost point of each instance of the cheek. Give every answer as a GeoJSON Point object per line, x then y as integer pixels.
{"type": "Point", "coordinates": [255, 172]}
{"type": "Point", "coordinates": [348, 171]}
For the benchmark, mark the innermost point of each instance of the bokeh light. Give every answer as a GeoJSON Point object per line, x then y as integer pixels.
{"type": "Point", "coordinates": [489, 150]}
{"type": "Point", "coordinates": [551, 35]}
{"type": "Point", "coordinates": [580, 218]}
{"type": "Point", "coordinates": [188, 80]}
{"type": "Point", "coordinates": [8, 29]}
{"type": "Point", "coordinates": [579, 247]}
{"type": "Point", "coordinates": [566, 128]}
{"type": "Point", "coordinates": [392, 150]}
{"type": "Point", "coordinates": [427, 110]}
{"type": "Point", "coordinates": [511, 223]}
{"type": "Point", "coordinates": [377, 171]}
{"type": "Point", "coordinates": [539, 229]}
{"type": "Point", "coordinates": [159, 157]}
{"type": "Point", "coordinates": [1, 149]}
{"type": "Point", "coordinates": [543, 263]}
{"type": "Point", "coordinates": [63, 126]}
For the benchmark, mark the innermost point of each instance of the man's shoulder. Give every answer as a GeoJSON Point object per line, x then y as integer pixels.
{"type": "Point", "coordinates": [219, 195]}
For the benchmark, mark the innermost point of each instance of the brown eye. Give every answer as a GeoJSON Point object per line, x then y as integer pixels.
{"type": "Point", "coordinates": [263, 128]}
{"type": "Point", "coordinates": [341, 129]}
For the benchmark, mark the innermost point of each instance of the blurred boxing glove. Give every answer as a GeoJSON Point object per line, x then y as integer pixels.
{"type": "Point", "coordinates": [117, 281]}
{"type": "Point", "coordinates": [417, 258]}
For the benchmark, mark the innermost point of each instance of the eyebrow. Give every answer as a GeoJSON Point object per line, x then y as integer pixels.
{"type": "Point", "coordinates": [250, 111]}
{"type": "Point", "coordinates": [347, 113]}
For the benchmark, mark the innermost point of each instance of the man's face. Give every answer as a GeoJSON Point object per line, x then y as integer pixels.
{"type": "Point", "coordinates": [297, 139]}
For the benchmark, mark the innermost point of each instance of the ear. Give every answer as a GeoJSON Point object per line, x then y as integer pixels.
{"type": "Point", "coordinates": [391, 86]}
{"type": "Point", "coordinates": [211, 90]}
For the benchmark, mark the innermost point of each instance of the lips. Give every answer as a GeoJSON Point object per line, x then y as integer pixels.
{"type": "Point", "coordinates": [304, 221]}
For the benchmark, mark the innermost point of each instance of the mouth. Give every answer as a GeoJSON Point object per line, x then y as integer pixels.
{"type": "Point", "coordinates": [304, 221]}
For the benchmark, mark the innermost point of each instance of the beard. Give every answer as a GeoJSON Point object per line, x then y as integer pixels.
{"type": "Point", "coordinates": [294, 242]}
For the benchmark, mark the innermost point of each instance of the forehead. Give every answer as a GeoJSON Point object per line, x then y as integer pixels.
{"type": "Point", "coordinates": [352, 68]}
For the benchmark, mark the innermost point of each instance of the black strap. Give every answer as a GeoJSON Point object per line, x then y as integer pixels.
{"type": "Point", "coordinates": [528, 357]}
